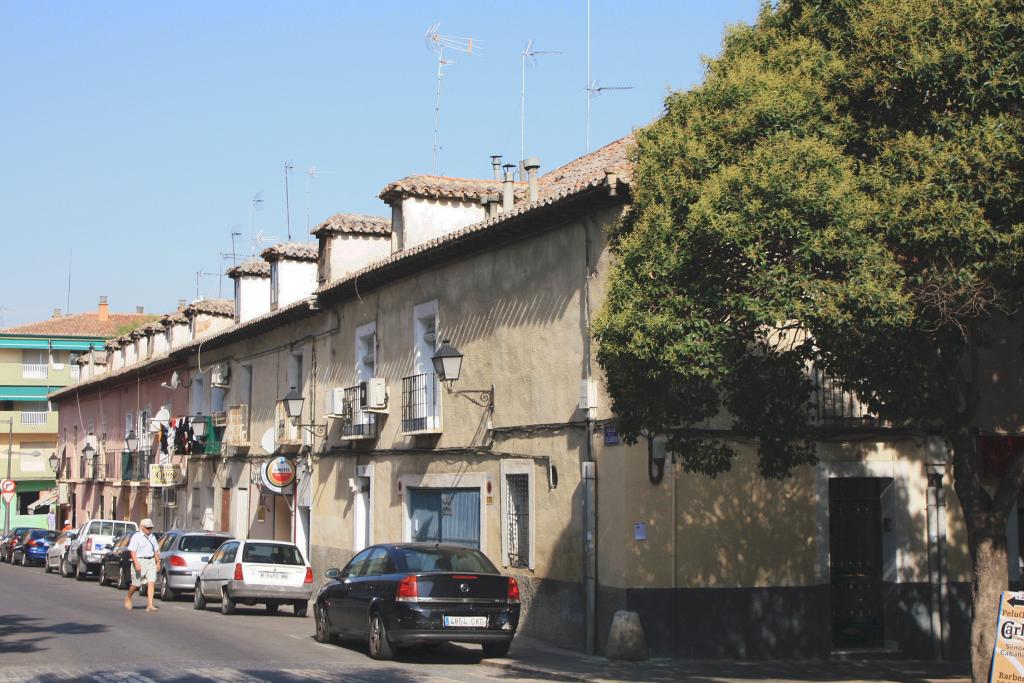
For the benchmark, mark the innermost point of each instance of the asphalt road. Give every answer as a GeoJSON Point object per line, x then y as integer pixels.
{"type": "Point", "coordinates": [56, 629]}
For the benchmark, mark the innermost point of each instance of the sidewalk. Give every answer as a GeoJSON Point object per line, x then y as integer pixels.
{"type": "Point", "coordinates": [531, 658]}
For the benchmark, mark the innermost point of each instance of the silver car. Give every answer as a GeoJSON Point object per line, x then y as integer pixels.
{"type": "Point", "coordinates": [183, 554]}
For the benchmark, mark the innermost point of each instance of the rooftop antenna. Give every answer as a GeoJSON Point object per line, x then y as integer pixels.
{"type": "Point", "coordinates": [260, 239]}
{"type": "Point", "coordinates": [199, 274]}
{"type": "Point", "coordinates": [310, 174]}
{"type": "Point", "coordinates": [594, 88]}
{"type": "Point", "coordinates": [529, 56]}
{"type": "Point", "coordinates": [68, 309]}
{"type": "Point", "coordinates": [287, 201]}
{"type": "Point", "coordinates": [438, 43]}
{"type": "Point", "coordinates": [257, 205]}
{"type": "Point", "coordinates": [236, 231]}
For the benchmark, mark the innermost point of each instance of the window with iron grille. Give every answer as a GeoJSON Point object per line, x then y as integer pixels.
{"type": "Point", "coordinates": [836, 404]}
{"type": "Point", "coordinates": [420, 403]}
{"type": "Point", "coordinates": [517, 506]}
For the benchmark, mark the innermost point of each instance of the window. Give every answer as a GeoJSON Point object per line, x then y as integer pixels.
{"type": "Point", "coordinates": [25, 499]}
{"type": "Point", "coordinates": [420, 397]}
{"type": "Point", "coordinates": [34, 364]}
{"type": "Point", "coordinates": [238, 299]}
{"type": "Point", "coordinates": [355, 565]}
{"type": "Point", "coordinates": [201, 544]}
{"type": "Point", "coordinates": [443, 560]}
{"type": "Point", "coordinates": [129, 424]}
{"type": "Point", "coordinates": [517, 524]}
{"type": "Point", "coordinates": [227, 553]}
{"type": "Point", "coordinates": [271, 553]}
{"type": "Point", "coordinates": [376, 563]}
{"type": "Point", "coordinates": [274, 282]}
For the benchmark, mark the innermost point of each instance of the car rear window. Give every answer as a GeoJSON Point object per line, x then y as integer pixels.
{"type": "Point", "coordinates": [271, 553]}
{"type": "Point", "coordinates": [111, 528]}
{"type": "Point", "coordinates": [444, 560]}
{"type": "Point", "coordinates": [200, 544]}
{"type": "Point", "coordinates": [43, 533]}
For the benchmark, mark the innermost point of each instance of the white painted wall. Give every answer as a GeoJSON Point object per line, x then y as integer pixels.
{"type": "Point", "coordinates": [295, 280]}
{"type": "Point", "coordinates": [159, 342]}
{"type": "Point", "coordinates": [426, 219]}
{"type": "Point", "coordinates": [179, 334]}
{"type": "Point", "coordinates": [252, 295]}
{"type": "Point", "coordinates": [349, 253]}
{"type": "Point", "coordinates": [129, 354]}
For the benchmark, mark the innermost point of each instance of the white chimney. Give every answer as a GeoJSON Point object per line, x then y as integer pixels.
{"type": "Point", "coordinates": [508, 196]}
{"type": "Point", "coordinates": [531, 165]}
{"type": "Point", "coordinates": [252, 289]}
{"type": "Point", "coordinates": [292, 272]}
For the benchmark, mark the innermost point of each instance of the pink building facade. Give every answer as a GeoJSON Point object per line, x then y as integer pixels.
{"type": "Point", "coordinates": [108, 480]}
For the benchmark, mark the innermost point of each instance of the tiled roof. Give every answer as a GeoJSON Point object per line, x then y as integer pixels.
{"type": "Point", "coordinates": [175, 318]}
{"type": "Point", "coordinates": [435, 186]}
{"type": "Point", "coordinates": [224, 307]}
{"type": "Point", "coordinates": [80, 325]}
{"type": "Point", "coordinates": [254, 266]}
{"type": "Point", "coordinates": [97, 358]}
{"type": "Point", "coordinates": [354, 223]}
{"type": "Point", "coordinates": [295, 251]}
{"type": "Point", "coordinates": [583, 171]}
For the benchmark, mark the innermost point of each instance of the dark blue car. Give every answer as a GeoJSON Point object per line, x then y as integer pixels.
{"type": "Point", "coordinates": [32, 546]}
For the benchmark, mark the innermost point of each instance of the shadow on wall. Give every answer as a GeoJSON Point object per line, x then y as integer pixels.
{"type": "Point", "coordinates": [21, 634]}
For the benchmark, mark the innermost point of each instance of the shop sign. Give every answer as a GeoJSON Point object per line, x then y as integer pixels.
{"type": "Point", "coordinates": [278, 475]}
{"type": "Point", "coordinates": [1008, 657]}
{"type": "Point", "coordinates": [164, 475]}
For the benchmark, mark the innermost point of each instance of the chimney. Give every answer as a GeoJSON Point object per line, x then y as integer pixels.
{"type": "Point", "coordinates": [496, 165]}
{"type": "Point", "coordinates": [56, 313]}
{"type": "Point", "coordinates": [181, 304]}
{"type": "Point", "coordinates": [103, 313]}
{"type": "Point", "coordinates": [508, 192]}
{"type": "Point", "coordinates": [531, 165]}
{"type": "Point", "coordinates": [491, 202]}
{"type": "Point", "coordinates": [139, 310]}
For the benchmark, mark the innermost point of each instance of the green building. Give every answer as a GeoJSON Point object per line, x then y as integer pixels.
{"type": "Point", "coordinates": [36, 359]}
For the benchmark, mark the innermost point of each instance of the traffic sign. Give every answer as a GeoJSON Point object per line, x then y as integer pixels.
{"type": "Point", "coordinates": [7, 486]}
{"type": "Point", "coordinates": [8, 496]}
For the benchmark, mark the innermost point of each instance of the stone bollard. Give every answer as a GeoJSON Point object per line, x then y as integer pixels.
{"type": "Point", "coordinates": [626, 639]}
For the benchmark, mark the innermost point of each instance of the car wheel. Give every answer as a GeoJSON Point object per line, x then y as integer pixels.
{"type": "Point", "coordinates": [198, 600]}
{"type": "Point", "coordinates": [227, 605]}
{"type": "Point", "coordinates": [81, 570]}
{"type": "Point", "coordinates": [300, 608]}
{"type": "Point", "coordinates": [103, 575]}
{"type": "Point", "coordinates": [24, 560]}
{"type": "Point", "coordinates": [46, 564]}
{"type": "Point", "coordinates": [65, 568]}
{"type": "Point", "coordinates": [497, 649]}
{"type": "Point", "coordinates": [323, 629]}
{"type": "Point", "coordinates": [167, 594]}
{"type": "Point", "coordinates": [123, 579]}
{"type": "Point", "coordinates": [380, 646]}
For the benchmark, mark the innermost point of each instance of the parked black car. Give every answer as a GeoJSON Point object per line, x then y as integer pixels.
{"type": "Point", "coordinates": [31, 547]}
{"type": "Point", "coordinates": [8, 542]}
{"type": "Point", "coordinates": [115, 568]}
{"type": "Point", "coordinates": [418, 594]}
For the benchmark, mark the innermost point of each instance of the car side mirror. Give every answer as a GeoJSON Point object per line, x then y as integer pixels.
{"type": "Point", "coordinates": [334, 574]}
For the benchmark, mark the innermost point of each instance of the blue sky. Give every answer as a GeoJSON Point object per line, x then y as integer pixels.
{"type": "Point", "coordinates": [135, 135]}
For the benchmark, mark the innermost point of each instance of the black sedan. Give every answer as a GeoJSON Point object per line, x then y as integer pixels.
{"type": "Point", "coordinates": [115, 568]}
{"type": "Point", "coordinates": [419, 594]}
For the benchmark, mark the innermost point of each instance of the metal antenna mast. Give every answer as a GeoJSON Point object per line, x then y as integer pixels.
{"type": "Point", "coordinates": [235, 232]}
{"type": "Point", "coordinates": [199, 274]}
{"type": "Point", "coordinates": [310, 174]}
{"type": "Point", "coordinates": [287, 200]}
{"type": "Point", "coordinates": [439, 43]}
{"type": "Point", "coordinates": [529, 56]}
{"type": "Point", "coordinates": [257, 205]}
{"type": "Point", "coordinates": [594, 88]}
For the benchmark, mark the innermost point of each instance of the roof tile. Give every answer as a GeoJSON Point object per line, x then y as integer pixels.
{"type": "Point", "coordinates": [295, 251]}
{"type": "Point", "coordinates": [354, 223]}
{"type": "Point", "coordinates": [80, 325]}
{"type": "Point", "coordinates": [253, 267]}
{"type": "Point", "coordinates": [443, 187]}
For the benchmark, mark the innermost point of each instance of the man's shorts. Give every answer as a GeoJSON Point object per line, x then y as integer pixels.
{"type": "Point", "coordinates": [148, 573]}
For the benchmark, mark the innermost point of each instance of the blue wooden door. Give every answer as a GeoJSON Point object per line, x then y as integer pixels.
{"type": "Point", "coordinates": [445, 516]}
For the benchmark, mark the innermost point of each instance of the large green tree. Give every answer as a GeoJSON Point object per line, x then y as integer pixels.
{"type": "Point", "coordinates": [845, 189]}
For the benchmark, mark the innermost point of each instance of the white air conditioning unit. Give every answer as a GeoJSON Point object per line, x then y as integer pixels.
{"type": "Point", "coordinates": [336, 402]}
{"type": "Point", "coordinates": [221, 375]}
{"type": "Point", "coordinates": [373, 394]}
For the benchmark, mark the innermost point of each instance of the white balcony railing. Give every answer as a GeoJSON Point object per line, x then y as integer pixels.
{"type": "Point", "coordinates": [33, 417]}
{"type": "Point", "coordinates": [34, 370]}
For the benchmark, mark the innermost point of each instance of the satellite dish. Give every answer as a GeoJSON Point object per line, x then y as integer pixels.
{"type": "Point", "coordinates": [269, 441]}
{"type": "Point", "coordinates": [175, 380]}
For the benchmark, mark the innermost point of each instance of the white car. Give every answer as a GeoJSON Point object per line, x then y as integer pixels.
{"type": "Point", "coordinates": [92, 541]}
{"type": "Point", "coordinates": [250, 572]}
{"type": "Point", "coordinates": [55, 553]}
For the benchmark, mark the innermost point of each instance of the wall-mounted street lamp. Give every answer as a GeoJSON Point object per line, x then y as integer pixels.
{"type": "Point", "coordinates": [447, 363]}
{"type": "Point", "coordinates": [657, 453]}
{"type": "Point", "coordinates": [293, 402]}
{"type": "Point", "coordinates": [198, 423]}
{"type": "Point", "coordinates": [54, 462]}
{"type": "Point", "coordinates": [88, 452]}
{"type": "Point", "coordinates": [131, 441]}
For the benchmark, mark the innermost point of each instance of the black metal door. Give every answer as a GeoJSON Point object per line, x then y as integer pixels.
{"type": "Point", "coordinates": [855, 552]}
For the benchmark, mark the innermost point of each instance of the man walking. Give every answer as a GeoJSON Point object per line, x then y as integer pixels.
{"type": "Point", "coordinates": [145, 563]}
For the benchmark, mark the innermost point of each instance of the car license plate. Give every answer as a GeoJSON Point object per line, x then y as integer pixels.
{"type": "Point", "coordinates": [465, 622]}
{"type": "Point", "coordinates": [101, 546]}
{"type": "Point", "coordinates": [274, 577]}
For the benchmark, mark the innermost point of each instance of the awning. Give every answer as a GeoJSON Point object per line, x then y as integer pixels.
{"type": "Point", "coordinates": [45, 498]}
{"type": "Point", "coordinates": [43, 343]}
{"type": "Point", "coordinates": [13, 393]}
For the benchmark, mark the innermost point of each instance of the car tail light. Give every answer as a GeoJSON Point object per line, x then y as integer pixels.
{"type": "Point", "coordinates": [238, 571]}
{"type": "Point", "coordinates": [32, 543]}
{"type": "Point", "coordinates": [513, 590]}
{"type": "Point", "coordinates": [408, 591]}
{"type": "Point", "coordinates": [464, 576]}
{"type": "Point", "coordinates": [309, 575]}
{"type": "Point", "coordinates": [178, 561]}
{"type": "Point", "coordinates": [88, 544]}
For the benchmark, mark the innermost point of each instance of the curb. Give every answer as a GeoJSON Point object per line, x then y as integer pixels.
{"type": "Point", "coordinates": [547, 674]}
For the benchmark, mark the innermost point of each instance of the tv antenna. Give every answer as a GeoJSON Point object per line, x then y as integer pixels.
{"type": "Point", "coordinates": [260, 239]}
{"type": "Point", "coordinates": [438, 43]}
{"type": "Point", "coordinates": [199, 274]}
{"type": "Point", "coordinates": [594, 88]}
{"type": "Point", "coordinates": [236, 231]}
{"type": "Point", "coordinates": [529, 56]}
{"type": "Point", "coordinates": [257, 205]}
{"type": "Point", "coordinates": [287, 203]}
{"type": "Point", "coordinates": [310, 175]}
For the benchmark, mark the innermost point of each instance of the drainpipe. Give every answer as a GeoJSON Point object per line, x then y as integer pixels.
{"type": "Point", "coordinates": [508, 191]}
{"type": "Point", "coordinates": [588, 466]}
{"type": "Point", "coordinates": [937, 561]}
{"type": "Point", "coordinates": [531, 165]}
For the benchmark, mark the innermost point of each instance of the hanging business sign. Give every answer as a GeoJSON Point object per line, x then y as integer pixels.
{"type": "Point", "coordinates": [1008, 657]}
{"type": "Point", "coordinates": [164, 475]}
{"type": "Point", "coordinates": [277, 475]}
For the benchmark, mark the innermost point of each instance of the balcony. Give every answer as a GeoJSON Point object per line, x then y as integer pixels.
{"type": "Point", "coordinates": [356, 423]}
{"type": "Point", "coordinates": [135, 466]}
{"type": "Point", "coordinates": [836, 406]}
{"type": "Point", "coordinates": [34, 374]}
{"type": "Point", "coordinates": [34, 370]}
{"type": "Point", "coordinates": [421, 404]}
{"type": "Point", "coordinates": [31, 421]}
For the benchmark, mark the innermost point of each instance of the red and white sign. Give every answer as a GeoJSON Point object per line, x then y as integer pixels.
{"type": "Point", "coordinates": [278, 474]}
{"type": "Point", "coordinates": [7, 487]}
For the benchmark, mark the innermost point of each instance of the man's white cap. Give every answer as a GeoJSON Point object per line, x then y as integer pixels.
{"type": "Point", "coordinates": [147, 523]}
